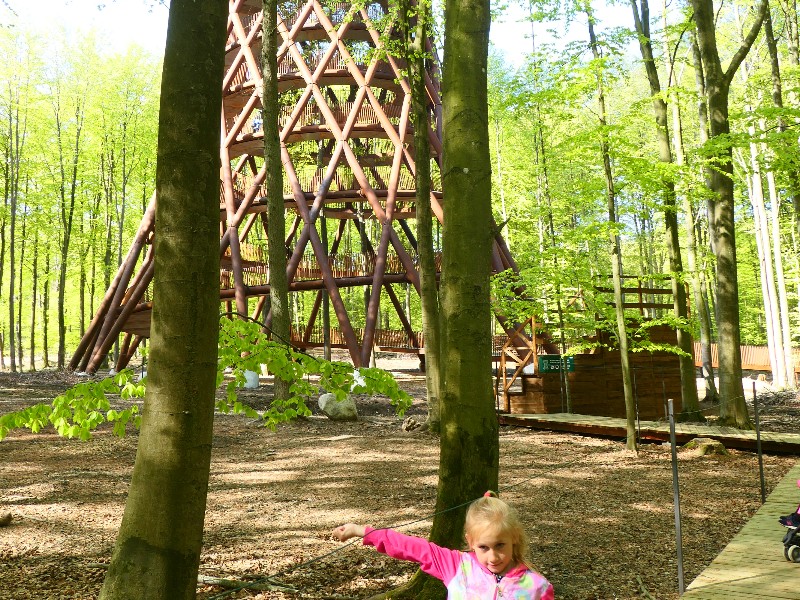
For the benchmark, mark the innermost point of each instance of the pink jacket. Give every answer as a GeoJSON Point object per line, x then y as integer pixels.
{"type": "Point", "coordinates": [464, 576]}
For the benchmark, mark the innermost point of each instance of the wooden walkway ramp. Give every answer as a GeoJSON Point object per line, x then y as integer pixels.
{"type": "Point", "coordinates": [752, 565]}
{"type": "Point", "coordinates": [784, 443]}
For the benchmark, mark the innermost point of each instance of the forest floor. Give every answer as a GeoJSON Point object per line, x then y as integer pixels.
{"type": "Point", "coordinates": [600, 518]}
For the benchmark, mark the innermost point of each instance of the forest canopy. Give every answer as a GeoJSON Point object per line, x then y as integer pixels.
{"type": "Point", "coordinates": [79, 136]}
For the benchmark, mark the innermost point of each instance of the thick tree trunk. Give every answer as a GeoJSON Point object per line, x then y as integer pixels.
{"type": "Point", "coordinates": [690, 403]}
{"type": "Point", "coordinates": [158, 547]}
{"type": "Point", "coordinates": [733, 410]}
{"type": "Point", "coordinates": [276, 225]}
{"type": "Point", "coordinates": [469, 448]}
{"type": "Point", "coordinates": [697, 263]}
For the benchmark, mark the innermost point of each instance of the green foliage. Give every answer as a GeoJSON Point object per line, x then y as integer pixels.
{"type": "Point", "coordinates": [80, 409]}
{"type": "Point", "coordinates": [243, 347]}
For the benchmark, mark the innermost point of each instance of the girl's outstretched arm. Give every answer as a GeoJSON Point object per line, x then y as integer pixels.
{"type": "Point", "coordinates": [348, 530]}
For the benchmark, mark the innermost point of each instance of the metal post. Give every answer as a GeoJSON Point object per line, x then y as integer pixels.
{"type": "Point", "coordinates": [676, 496]}
{"type": "Point", "coordinates": [636, 404]}
{"type": "Point", "coordinates": [758, 447]}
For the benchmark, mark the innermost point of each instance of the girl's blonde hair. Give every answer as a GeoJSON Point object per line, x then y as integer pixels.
{"type": "Point", "coordinates": [491, 513]}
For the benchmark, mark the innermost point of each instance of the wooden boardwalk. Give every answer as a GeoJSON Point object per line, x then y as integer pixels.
{"type": "Point", "coordinates": [784, 443]}
{"type": "Point", "coordinates": [752, 565]}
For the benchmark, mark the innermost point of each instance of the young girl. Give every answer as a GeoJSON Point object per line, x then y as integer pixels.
{"type": "Point", "coordinates": [493, 568]}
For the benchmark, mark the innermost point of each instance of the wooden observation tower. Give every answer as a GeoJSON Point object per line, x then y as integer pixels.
{"type": "Point", "coordinates": [349, 166]}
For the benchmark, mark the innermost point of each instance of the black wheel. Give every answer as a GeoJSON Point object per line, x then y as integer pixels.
{"type": "Point", "coordinates": [786, 553]}
{"type": "Point", "coordinates": [794, 553]}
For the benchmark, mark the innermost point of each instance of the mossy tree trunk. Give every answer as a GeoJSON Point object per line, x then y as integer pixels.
{"type": "Point", "coordinates": [733, 409]}
{"type": "Point", "coordinates": [157, 552]}
{"type": "Point", "coordinates": [469, 447]}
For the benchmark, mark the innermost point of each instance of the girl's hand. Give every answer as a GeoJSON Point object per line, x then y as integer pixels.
{"type": "Point", "coordinates": [347, 531]}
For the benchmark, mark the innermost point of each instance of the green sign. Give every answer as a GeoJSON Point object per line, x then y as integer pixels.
{"type": "Point", "coordinates": [554, 363]}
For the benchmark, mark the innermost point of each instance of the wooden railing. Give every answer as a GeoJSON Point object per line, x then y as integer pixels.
{"type": "Point", "coordinates": [341, 265]}
{"type": "Point", "coordinates": [754, 358]}
{"type": "Point", "coordinates": [385, 339]}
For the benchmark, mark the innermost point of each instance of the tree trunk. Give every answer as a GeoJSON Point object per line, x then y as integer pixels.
{"type": "Point", "coordinates": [690, 403]}
{"type": "Point", "coordinates": [697, 267]}
{"type": "Point", "coordinates": [34, 297]}
{"type": "Point", "coordinates": [469, 448]}
{"type": "Point", "coordinates": [775, 200]}
{"type": "Point", "coordinates": [276, 224]}
{"type": "Point", "coordinates": [733, 409]}
{"type": "Point", "coordinates": [17, 134]}
{"type": "Point", "coordinates": [68, 198]}
{"type": "Point", "coordinates": [616, 251]}
{"type": "Point", "coordinates": [3, 223]}
{"type": "Point", "coordinates": [12, 351]}
{"type": "Point", "coordinates": [764, 250]}
{"type": "Point", "coordinates": [429, 289]}
{"type": "Point", "coordinates": [20, 347]}
{"type": "Point", "coordinates": [157, 551]}
{"type": "Point", "coordinates": [46, 307]}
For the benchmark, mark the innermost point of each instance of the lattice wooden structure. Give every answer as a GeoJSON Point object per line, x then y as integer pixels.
{"type": "Point", "coordinates": [347, 149]}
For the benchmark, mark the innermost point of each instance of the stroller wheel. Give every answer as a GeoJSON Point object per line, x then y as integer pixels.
{"type": "Point", "coordinates": [792, 553]}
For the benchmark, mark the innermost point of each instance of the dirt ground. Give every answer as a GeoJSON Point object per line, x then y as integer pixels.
{"type": "Point", "coordinates": [600, 519]}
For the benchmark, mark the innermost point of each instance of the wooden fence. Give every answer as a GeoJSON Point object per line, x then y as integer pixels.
{"type": "Point", "coordinates": [754, 358]}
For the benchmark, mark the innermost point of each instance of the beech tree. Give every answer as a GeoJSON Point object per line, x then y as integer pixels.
{"type": "Point", "coordinates": [614, 246]}
{"type": "Point", "coordinates": [733, 410]}
{"type": "Point", "coordinates": [469, 447]}
{"type": "Point", "coordinates": [690, 404]}
{"type": "Point", "coordinates": [157, 552]}
{"type": "Point", "coordinates": [276, 225]}
{"type": "Point", "coordinates": [414, 22]}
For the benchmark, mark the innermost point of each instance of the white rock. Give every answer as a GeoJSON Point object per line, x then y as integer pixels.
{"type": "Point", "coordinates": [338, 410]}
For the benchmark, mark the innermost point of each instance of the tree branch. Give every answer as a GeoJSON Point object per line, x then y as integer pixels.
{"type": "Point", "coordinates": [748, 41]}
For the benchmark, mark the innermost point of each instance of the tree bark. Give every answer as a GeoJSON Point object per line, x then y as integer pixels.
{"type": "Point", "coordinates": [157, 552]}
{"type": "Point", "coordinates": [469, 447]}
{"type": "Point", "coordinates": [697, 266]}
{"type": "Point", "coordinates": [416, 35]}
{"type": "Point", "coordinates": [276, 224]}
{"type": "Point", "coordinates": [733, 409]}
{"type": "Point", "coordinates": [690, 404]}
{"type": "Point", "coordinates": [616, 251]}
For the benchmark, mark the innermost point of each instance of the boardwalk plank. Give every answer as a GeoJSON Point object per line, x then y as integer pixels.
{"type": "Point", "coordinates": [788, 443]}
{"type": "Point", "coordinates": [752, 564]}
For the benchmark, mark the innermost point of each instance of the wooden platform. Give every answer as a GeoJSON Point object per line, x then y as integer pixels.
{"type": "Point", "coordinates": [752, 565]}
{"type": "Point", "coordinates": [784, 443]}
